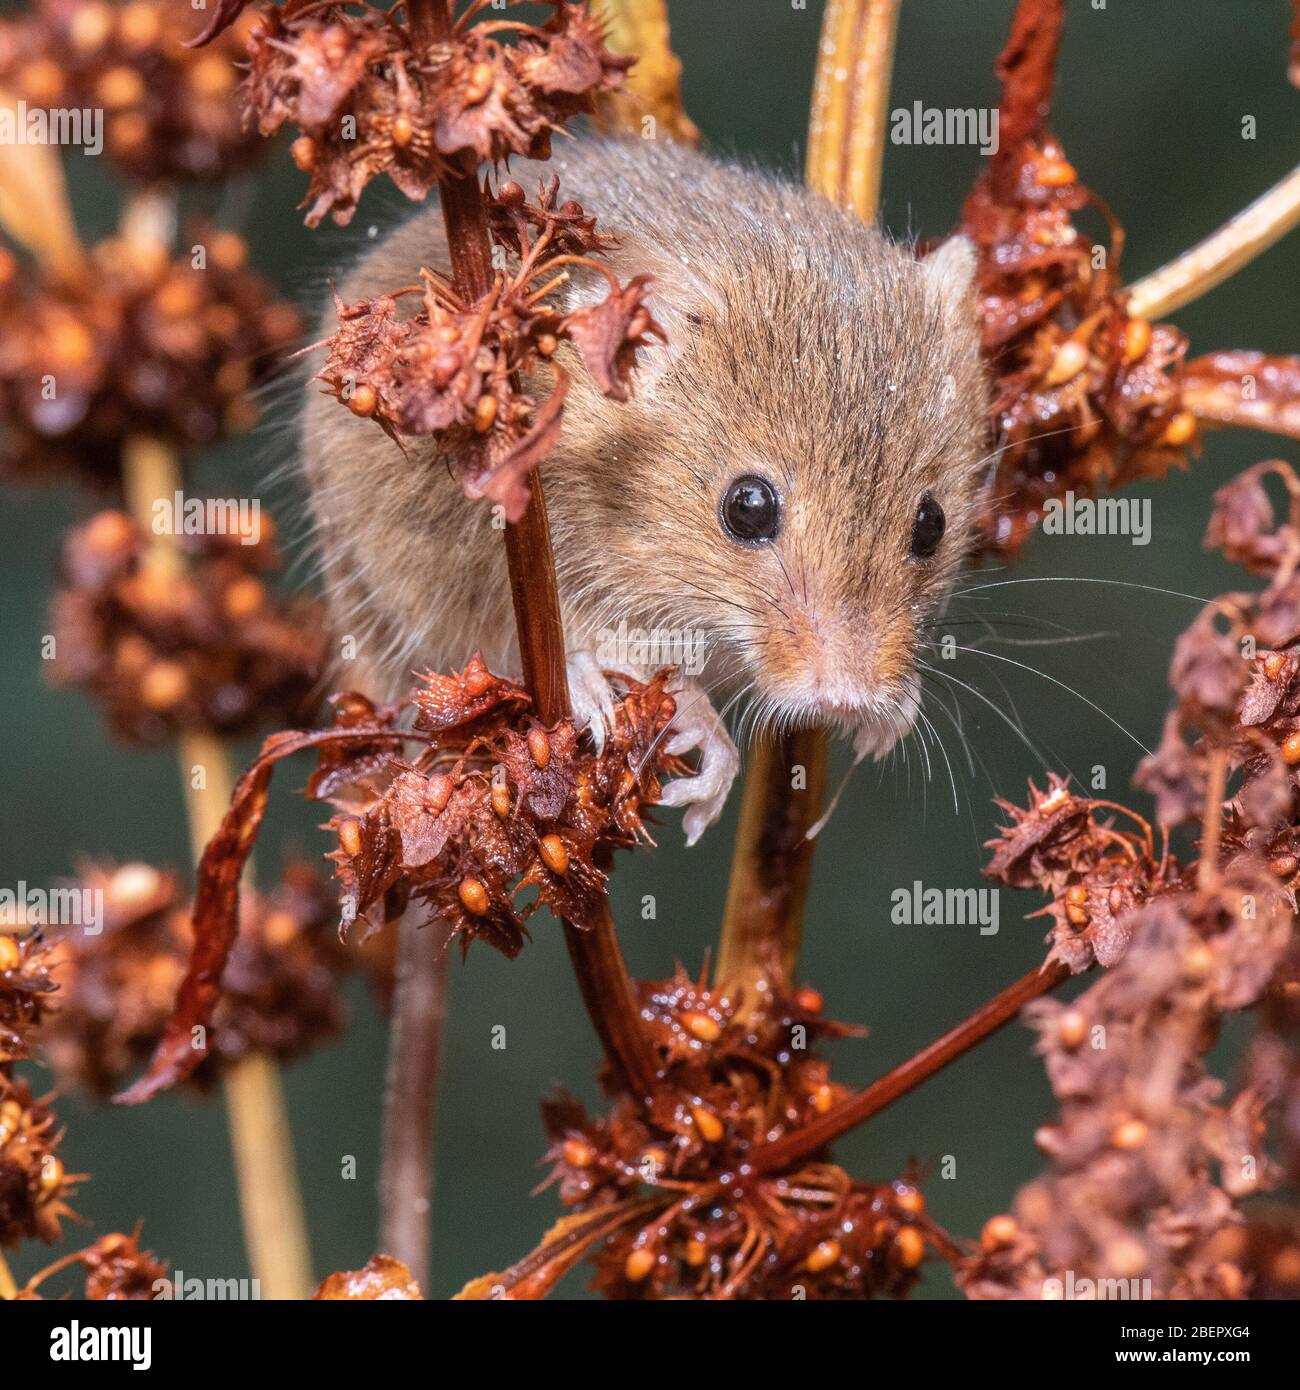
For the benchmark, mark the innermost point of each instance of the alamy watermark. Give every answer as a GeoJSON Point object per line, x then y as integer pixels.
{"type": "Point", "coordinates": [946, 907]}
{"type": "Point", "coordinates": [194, 1288]}
{"type": "Point", "coordinates": [179, 515]}
{"type": "Point", "coordinates": [62, 125]}
{"type": "Point", "coordinates": [946, 125]}
{"type": "Point", "coordinates": [620, 648]}
{"type": "Point", "coordinates": [22, 906]}
{"type": "Point", "coordinates": [1099, 516]}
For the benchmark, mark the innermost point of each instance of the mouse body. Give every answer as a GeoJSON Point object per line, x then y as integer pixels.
{"type": "Point", "coordinates": [787, 498]}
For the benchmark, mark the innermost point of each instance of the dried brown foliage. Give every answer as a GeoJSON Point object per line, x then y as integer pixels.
{"type": "Point", "coordinates": [142, 344]}
{"type": "Point", "coordinates": [280, 984]}
{"type": "Point", "coordinates": [210, 649]}
{"type": "Point", "coordinates": [169, 110]}
{"type": "Point", "coordinates": [34, 1185]}
{"type": "Point", "coordinates": [382, 1278]}
{"type": "Point", "coordinates": [659, 1192]}
{"type": "Point", "coordinates": [494, 804]}
{"type": "Point", "coordinates": [372, 96]}
{"type": "Point", "coordinates": [1084, 395]}
{"type": "Point", "coordinates": [454, 369]}
{"type": "Point", "coordinates": [1150, 1156]}
{"type": "Point", "coordinates": [26, 988]}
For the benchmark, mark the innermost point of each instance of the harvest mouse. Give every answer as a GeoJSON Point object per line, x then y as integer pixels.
{"type": "Point", "coordinates": [790, 491]}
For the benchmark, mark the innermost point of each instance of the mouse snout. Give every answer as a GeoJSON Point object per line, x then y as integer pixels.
{"type": "Point", "coordinates": [843, 669]}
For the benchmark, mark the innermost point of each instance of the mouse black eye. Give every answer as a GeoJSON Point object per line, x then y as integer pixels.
{"type": "Point", "coordinates": [927, 529]}
{"type": "Point", "coordinates": [751, 510]}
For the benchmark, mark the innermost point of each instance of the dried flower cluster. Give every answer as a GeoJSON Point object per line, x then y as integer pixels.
{"type": "Point", "coordinates": [494, 804]}
{"type": "Point", "coordinates": [660, 1191]}
{"type": "Point", "coordinates": [212, 648]}
{"type": "Point", "coordinates": [141, 344]}
{"type": "Point", "coordinates": [382, 1279]}
{"type": "Point", "coordinates": [34, 1185]}
{"type": "Point", "coordinates": [372, 97]}
{"type": "Point", "coordinates": [281, 982]}
{"type": "Point", "coordinates": [1149, 1157]}
{"type": "Point", "coordinates": [1084, 395]}
{"type": "Point", "coordinates": [454, 369]}
{"type": "Point", "coordinates": [169, 111]}
{"type": "Point", "coordinates": [26, 990]}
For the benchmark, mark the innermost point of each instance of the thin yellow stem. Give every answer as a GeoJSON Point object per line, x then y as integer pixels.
{"type": "Point", "coordinates": [275, 1230]}
{"type": "Point", "coordinates": [8, 1288]}
{"type": "Point", "coordinates": [1238, 242]}
{"type": "Point", "coordinates": [846, 130]}
{"type": "Point", "coordinates": [654, 86]}
{"type": "Point", "coordinates": [762, 926]}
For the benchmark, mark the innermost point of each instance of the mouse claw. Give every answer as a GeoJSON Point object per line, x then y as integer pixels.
{"type": "Point", "coordinates": [697, 726]}
{"type": "Point", "coordinates": [590, 696]}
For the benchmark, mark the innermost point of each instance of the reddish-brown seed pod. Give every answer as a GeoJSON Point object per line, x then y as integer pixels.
{"type": "Point", "coordinates": [481, 79]}
{"type": "Point", "coordinates": [1067, 362]}
{"type": "Point", "coordinates": [438, 791]}
{"type": "Point", "coordinates": [1131, 1134]}
{"type": "Point", "coordinates": [701, 1025]}
{"type": "Point", "coordinates": [639, 1263]}
{"type": "Point", "coordinates": [485, 412]}
{"type": "Point", "coordinates": [363, 400]}
{"type": "Point", "coordinates": [809, 1000]}
{"type": "Point", "coordinates": [999, 1232]}
{"type": "Point", "coordinates": [555, 854]}
{"type": "Point", "coordinates": [1291, 748]}
{"type": "Point", "coordinates": [1137, 338]}
{"type": "Point", "coordinates": [710, 1127]}
{"type": "Point", "coordinates": [303, 153]}
{"type": "Point", "coordinates": [539, 746]}
{"type": "Point", "coordinates": [911, 1201]}
{"type": "Point", "coordinates": [473, 896]}
{"type": "Point", "coordinates": [51, 1176]}
{"type": "Point", "coordinates": [822, 1256]}
{"type": "Point", "coordinates": [910, 1245]}
{"type": "Point", "coordinates": [1055, 173]}
{"type": "Point", "coordinates": [578, 1153]}
{"type": "Point", "coordinates": [1180, 429]}
{"type": "Point", "coordinates": [350, 837]}
{"type": "Point", "coordinates": [10, 953]}
{"type": "Point", "coordinates": [1072, 1028]}
{"type": "Point", "coordinates": [501, 799]}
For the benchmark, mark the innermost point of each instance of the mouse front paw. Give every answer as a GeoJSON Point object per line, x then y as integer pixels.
{"type": "Point", "coordinates": [591, 699]}
{"type": "Point", "coordinates": [697, 726]}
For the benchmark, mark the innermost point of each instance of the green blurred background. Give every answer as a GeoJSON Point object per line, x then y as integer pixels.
{"type": "Point", "coordinates": [1150, 106]}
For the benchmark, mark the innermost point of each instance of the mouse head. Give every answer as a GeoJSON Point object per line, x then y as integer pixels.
{"type": "Point", "coordinates": [797, 480]}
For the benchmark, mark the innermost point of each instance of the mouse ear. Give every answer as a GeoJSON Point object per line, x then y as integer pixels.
{"type": "Point", "coordinates": [950, 268]}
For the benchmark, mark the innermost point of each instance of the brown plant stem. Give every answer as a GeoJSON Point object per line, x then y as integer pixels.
{"type": "Point", "coordinates": [410, 1094]}
{"type": "Point", "coordinates": [983, 1023]}
{"type": "Point", "coordinates": [846, 129]}
{"type": "Point", "coordinates": [1224, 252]}
{"type": "Point", "coordinates": [771, 865]}
{"type": "Point", "coordinates": [606, 987]}
{"type": "Point", "coordinates": [275, 1230]}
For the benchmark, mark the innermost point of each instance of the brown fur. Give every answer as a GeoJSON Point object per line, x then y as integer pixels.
{"type": "Point", "coordinates": [803, 345]}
